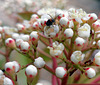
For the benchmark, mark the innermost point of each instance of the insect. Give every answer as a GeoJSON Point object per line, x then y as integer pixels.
{"type": "Point", "coordinates": [51, 21]}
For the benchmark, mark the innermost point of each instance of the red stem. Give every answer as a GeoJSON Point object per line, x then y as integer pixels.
{"type": "Point", "coordinates": [96, 80]}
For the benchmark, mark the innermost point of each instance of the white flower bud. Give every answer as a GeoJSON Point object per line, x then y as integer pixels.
{"type": "Point", "coordinates": [39, 62]}
{"type": "Point", "coordinates": [25, 37]}
{"type": "Point", "coordinates": [97, 59]}
{"type": "Point", "coordinates": [57, 49]}
{"type": "Point", "coordinates": [17, 66]}
{"type": "Point", "coordinates": [60, 72]}
{"type": "Point", "coordinates": [90, 72]}
{"type": "Point", "coordinates": [96, 25]}
{"type": "Point", "coordinates": [15, 36]}
{"type": "Point", "coordinates": [10, 43]}
{"type": "Point", "coordinates": [77, 57]}
{"type": "Point", "coordinates": [63, 21]}
{"type": "Point", "coordinates": [51, 31]}
{"type": "Point", "coordinates": [68, 33]}
{"type": "Point", "coordinates": [79, 41]}
{"type": "Point", "coordinates": [8, 81]}
{"type": "Point", "coordinates": [21, 27]}
{"type": "Point", "coordinates": [93, 16]}
{"type": "Point", "coordinates": [31, 71]}
{"type": "Point", "coordinates": [34, 37]}
{"type": "Point", "coordinates": [35, 25]}
{"type": "Point", "coordinates": [34, 16]}
{"type": "Point", "coordinates": [84, 31]}
{"type": "Point", "coordinates": [18, 43]}
{"type": "Point", "coordinates": [25, 46]}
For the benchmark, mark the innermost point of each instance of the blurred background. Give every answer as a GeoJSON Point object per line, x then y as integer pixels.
{"type": "Point", "coordinates": [10, 12]}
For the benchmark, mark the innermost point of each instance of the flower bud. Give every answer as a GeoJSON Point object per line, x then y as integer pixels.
{"type": "Point", "coordinates": [15, 36]}
{"type": "Point", "coordinates": [8, 81]}
{"type": "Point", "coordinates": [25, 46]}
{"type": "Point", "coordinates": [1, 73]}
{"type": "Point", "coordinates": [18, 43]}
{"type": "Point", "coordinates": [20, 27]}
{"type": "Point", "coordinates": [97, 59]}
{"type": "Point", "coordinates": [35, 25]}
{"type": "Point", "coordinates": [17, 66]}
{"type": "Point", "coordinates": [79, 41]}
{"type": "Point", "coordinates": [96, 25]}
{"type": "Point", "coordinates": [34, 16]}
{"type": "Point", "coordinates": [63, 21]}
{"type": "Point", "coordinates": [84, 31]}
{"type": "Point", "coordinates": [10, 43]}
{"type": "Point", "coordinates": [68, 33]}
{"type": "Point", "coordinates": [56, 50]}
{"type": "Point", "coordinates": [60, 72]}
{"type": "Point", "coordinates": [77, 57]}
{"type": "Point", "coordinates": [93, 17]}
{"type": "Point", "coordinates": [39, 84]}
{"type": "Point", "coordinates": [39, 62]}
{"type": "Point", "coordinates": [31, 71]}
{"type": "Point", "coordinates": [25, 37]}
{"type": "Point", "coordinates": [34, 37]}
{"type": "Point", "coordinates": [51, 31]}
{"type": "Point", "coordinates": [90, 72]}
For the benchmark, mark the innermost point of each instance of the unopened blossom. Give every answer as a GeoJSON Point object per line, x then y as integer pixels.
{"type": "Point", "coordinates": [79, 41]}
{"type": "Point", "coordinates": [24, 37]}
{"type": "Point", "coordinates": [20, 27]}
{"type": "Point", "coordinates": [77, 57]}
{"type": "Point", "coordinates": [64, 21]}
{"type": "Point", "coordinates": [51, 31]}
{"type": "Point", "coordinates": [90, 72]}
{"type": "Point", "coordinates": [31, 71]}
{"type": "Point", "coordinates": [34, 16]}
{"type": "Point", "coordinates": [93, 17]}
{"type": "Point", "coordinates": [35, 25]}
{"type": "Point", "coordinates": [26, 24]}
{"type": "Point", "coordinates": [25, 47]}
{"type": "Point", "coordinates": [68, 33]}
{"type": "Point", "coordinates": [84, 31]}
{"type": "Point", "coordinates": [97, 59]}
{"type": "Point", "coordinates": [39, 62]}
{"type": "Point", "coordinates": [61, 72]}
{"type": "Point", "coordinates": [10, 43]}
{"type": "Point", "coordinates": [96, 25]}
{"type": "Point", "coordinates": [8, 81]}
{"type": "Point", "coordinates": [18, 42]}
{"type": "Point", "coordinates": [34, 37]}
{"type": "Point", "coordinates": [57, 49]}
{"type": "Point", "coordinates": [12, 67]}
{"type": "Point", "coordinates": [15, 36]}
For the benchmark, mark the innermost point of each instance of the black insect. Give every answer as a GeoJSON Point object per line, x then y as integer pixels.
{"type": "Point", "coordinates": [50, 22]}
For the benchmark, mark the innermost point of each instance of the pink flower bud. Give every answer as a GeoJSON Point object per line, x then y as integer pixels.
{"type": "Point", "coordinates": [31, 71]}
{"type": "Point", "coordinates": [18, 43]}
{"type": "Point", "coordinates": [39, 62]}
{"type": "Point", "coordinates": [61, 72]}
{"type": "Point", "coordinates": [35, 25]}
{"type": "Point", "coordinates": [93, 17]}
{"type": "Point", "coordinates": [25, 46]}
{"type": "Point", "coordinates": [21, 27]}
{"type": "Point", "coordinates": [10, 43]}
{"type": "Point", "coordinates": [34, 16]}
{"type": "Point", "coordinates": [90, 72]}
{"type": "Point", "coordinates": [8, 81]}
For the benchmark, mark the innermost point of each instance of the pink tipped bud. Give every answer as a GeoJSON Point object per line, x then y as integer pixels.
{"type": "Point", "coordinates": [35, 25]}
{"type": "Point", "coordinates": [79, 41]}
{"type": "Point", "coordinates": [15, 36]}
{"type": "Point", "coordinates": [93, 17]}
{"type": "Point", "coordinates": [18, 43]}
{"type": "Point", "coordinates": [34, 16]}
{"type": "Point", "coordinates": [8, 81]}
{"type": "Point", "coordinates": [25, 46]}
{"type": "Point", "coordinates": [61, 72]}
{"type": "Point", "coordinates": [31, 71]}
{"type": "Point", "coordinates": [10, 43]}
{"type": "Point", "coordinates": [90, 72]}
{"type": "Point", "coordinates": [21, 27]}
{"type": "Point", "coordinates": [34, 37]}
{"type": "Point", "coordinates": [39, 62]}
